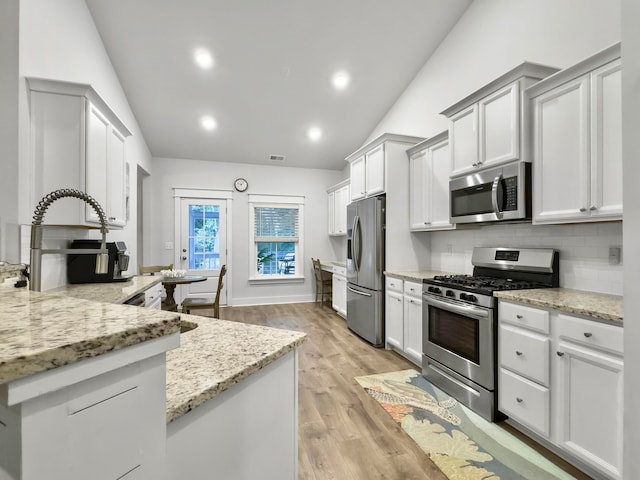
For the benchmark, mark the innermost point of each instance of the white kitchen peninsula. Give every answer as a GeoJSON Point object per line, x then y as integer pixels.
{"type": "Point", "coordinates": [80, 378]}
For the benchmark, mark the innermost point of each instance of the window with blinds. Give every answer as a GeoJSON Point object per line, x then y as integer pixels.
{"type": "Point", "coordinates": [276, 238]}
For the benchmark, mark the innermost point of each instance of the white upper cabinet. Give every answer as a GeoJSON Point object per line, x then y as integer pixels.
{"type": "Point", "coordinates": [77, 142]}
{"type": "Point", "coordinates": [429, 171]}
{"type": "Point", "coordinates": [488, 127]}
{"type": "Point", "coordinates": [338, 199]}
{"type": "Point", "coordinates": [577, 142]}
{"type": "Point", "coordinates": [369, 165]}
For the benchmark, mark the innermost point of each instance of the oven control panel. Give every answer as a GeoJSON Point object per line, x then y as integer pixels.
{"type": "Point", "coordinates": [458, 296]}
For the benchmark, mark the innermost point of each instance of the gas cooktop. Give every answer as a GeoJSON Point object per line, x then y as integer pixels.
{"type": "Point", "coordinates": [482, 284]}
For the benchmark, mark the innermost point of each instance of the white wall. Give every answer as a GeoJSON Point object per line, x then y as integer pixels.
{"type": "Point", "coordinates": [310, 183]}
{"type": "Point", "coordinates": [631, 149]}
{"type": "Point", "coordinates": [492, 37]}
{"type": "Point", "coordinates": [9, 130]}
{"type": "Point", "coordinates": [59, 40]}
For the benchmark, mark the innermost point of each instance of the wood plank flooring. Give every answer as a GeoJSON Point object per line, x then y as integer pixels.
{"type": "Point", "coordinates": [343, 433]}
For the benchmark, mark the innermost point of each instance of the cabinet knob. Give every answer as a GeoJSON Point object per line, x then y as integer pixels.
{"type": "Point", "coordinates": [588, 334]}
{"type": "Point", "coordinates": [583, 209]}
{"type": "Point", "coordinates": [560, 354]}
{"type": "Point", "coordinates": [518, 353]}
{"type": "Point", "coordinates": [519, 317]}
{"type": "Point", "coordinates": [593, 207]}
{"type": "Point", "coordinates": [111, 219]}
{"type": "Point", "coordinates": [476, 164]}
{"type": "Point", "coordinates": [519, 400]}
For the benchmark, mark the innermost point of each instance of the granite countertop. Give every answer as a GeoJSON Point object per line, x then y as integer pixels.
{"type": "Point", "coordinates": [116, 292]}
{"type": "Point", "coordinates": [600, 306]}
{"type": "Point", "coordinates": [218, 354]}
{"type": "Point", "coordinates": [40, 331]}
{"type": "Point", "coordinates": [415, 275]}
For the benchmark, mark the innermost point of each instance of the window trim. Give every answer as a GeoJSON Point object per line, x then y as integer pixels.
{"type": "Point", "coordinates": [276, 201]}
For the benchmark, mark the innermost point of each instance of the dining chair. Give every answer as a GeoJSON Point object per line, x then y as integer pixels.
{"type": "Point", "coordinates": [324, 281]}
{"type": "Point", "coordinates": [195, 303]}
{"type": "Point", "coordinates": [153, 269]}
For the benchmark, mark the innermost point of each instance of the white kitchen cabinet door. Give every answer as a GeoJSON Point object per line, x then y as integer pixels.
{"type": "Point", "coordinates": [463, 138]}
{"type": "Point", "coordinates": [340, 215]}
{"type": "Point", "coordinates": [561, 151]}
{"type": "Point", "coordinates": [606, 141]}
{"type": "Point", "coordinates": [499, 135]}
{"type": "Point", "coordinates": [590, 406]}
{"type": "Point", "coordinates": [429, 171]}
{"type": "Point", "coordinates": [98, 133]}
{"type": "Point", "coordinates": [440, 167]}
{"type": "Point", "coordinates": [339, 294]}
{"type": "Point", "coordinates": [375, 171]}
{"type": "Point", "coordinates": [331, 213]}
{"type": "Point", "coordinates": [394, 320]}
{"type": "Point", "coordinates": [358, 179]}
{"type": "Point", "coordinates": [413, 329]}
{"type": "Point", "coordinates": [419, 214]}
{"type": "Point", "coordinates": [116, 179]}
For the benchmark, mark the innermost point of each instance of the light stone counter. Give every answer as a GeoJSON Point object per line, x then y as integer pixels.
{"type": "Point", "coordinates": [600, 306]}
{"type": "Point", "coordinates": [415, 275]}
{"type": "Point", "coordinates": [116, 292]}
{"type": "Point", "coordinates": [41, 331]}
{"type": "Point", "coordinates": [217, 355]}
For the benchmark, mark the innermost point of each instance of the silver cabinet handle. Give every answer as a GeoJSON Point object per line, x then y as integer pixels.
{"type": "Point", "coordinates": [560, 354]}
{"type": "Point", "coordinates": [519, 317]}
{"type": "Point", "coordinates": [593, 207]}
{"type": "Point", "coordinates": [583, 209]}
{"type": "Point", "coordinates": [519, 400]}
{"type": "Point", "coordinates": [588, 334]}
{"type": "Point", "coordinates": [518, 353]}
{"type": "Point", "coordinates": [112, 219]}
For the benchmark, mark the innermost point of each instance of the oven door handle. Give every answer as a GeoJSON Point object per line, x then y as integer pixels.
{"type": "Point", "coordinates": [467, 310]}
{"type": "Point", "coordinates": [494, 196]}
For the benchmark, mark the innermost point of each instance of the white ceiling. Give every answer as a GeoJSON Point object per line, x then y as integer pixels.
{"type": "Point", "coordinates": [271, 79]}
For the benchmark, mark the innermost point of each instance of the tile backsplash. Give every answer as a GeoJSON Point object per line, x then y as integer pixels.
{"type": "Point", "coordinates": [584, 250]}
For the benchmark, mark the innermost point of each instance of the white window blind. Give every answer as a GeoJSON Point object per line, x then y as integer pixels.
{"type": "Point", "coordinates": [276, 223]}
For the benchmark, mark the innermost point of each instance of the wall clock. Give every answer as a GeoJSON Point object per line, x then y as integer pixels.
{"type": "Point", "coordinates": [240, 184]}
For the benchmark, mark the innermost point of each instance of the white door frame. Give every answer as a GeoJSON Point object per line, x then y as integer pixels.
{"type": "Point", "coordinates": [178, 195]}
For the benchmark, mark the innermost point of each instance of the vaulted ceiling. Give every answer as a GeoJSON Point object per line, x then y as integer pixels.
{"type": "Point", "coordinates": [270, 82]}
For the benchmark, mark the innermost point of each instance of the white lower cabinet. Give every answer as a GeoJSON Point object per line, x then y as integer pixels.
{"type": "Point", "coordinates": [339, 290]}
{"type": "Point", "coordinates": [403, 318]}
{"type": "Point", "coordinates": [561, 378]}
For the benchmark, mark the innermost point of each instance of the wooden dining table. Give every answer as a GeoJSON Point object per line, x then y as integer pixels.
{"type": "Point", "coordinates": [169, 284]}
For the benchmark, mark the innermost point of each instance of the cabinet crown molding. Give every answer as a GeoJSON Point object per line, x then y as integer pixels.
{"type": "Point", "coordinates": [337, 186]}
{"type": "Point", "coordinates": [525, 69]}
{"type": "Point", "coordinates": [61, 87]}
{"type": "Point", "coordinates": [441, 137]}
{"type": "Point", "coordinates": [384, 138]}
{"type": "Point", "coordinates": [583, 67]}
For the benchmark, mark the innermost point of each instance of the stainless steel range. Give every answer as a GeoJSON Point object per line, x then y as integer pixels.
{"type": "Point", "coordinates": [460, 318]}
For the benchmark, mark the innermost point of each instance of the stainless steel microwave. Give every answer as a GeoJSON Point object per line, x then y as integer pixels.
{"type": "Point", "coordinates": [492, 195]}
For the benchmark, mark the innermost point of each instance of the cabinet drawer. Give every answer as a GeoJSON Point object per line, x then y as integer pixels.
{"type": "Point", "coordinates": [153, 293]}
{"type": "Point", "coordinates": [591, 333]}
{"type": "Point", "coordinates": [394, 284]}
{"type": "Point", "coordinates": [524, 352]}
{"type": "Point", "coordinates": [526, 317]}
{"type": "Point", "coordinates": [413, 288]}
{"type": "Point", "coordinates": [341, 271]}
{"type": "Point", "coordinates": [524, 401]}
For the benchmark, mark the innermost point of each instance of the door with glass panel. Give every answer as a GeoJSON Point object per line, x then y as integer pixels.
{"type": "Point", "coordinates": [203, 246]}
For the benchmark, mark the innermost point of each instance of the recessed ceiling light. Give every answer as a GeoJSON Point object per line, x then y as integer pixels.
{"type": "Point", "coordinates": [208, 122]}
{"type": "Point", "coordinates": [340, 80]}
{"type": "Point", "coordinates": [203, 58]}
{"type": "Point", "coordinates": [314, 134]}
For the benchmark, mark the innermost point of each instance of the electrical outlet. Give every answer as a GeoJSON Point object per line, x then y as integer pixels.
{"type": "Point", "coordinates": [168, 245]}
{"type": "Point", "coordinates": [614, 255]}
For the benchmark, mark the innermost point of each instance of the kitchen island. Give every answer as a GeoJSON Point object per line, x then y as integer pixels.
{"type": "Point", "coordinates": [222, 393]}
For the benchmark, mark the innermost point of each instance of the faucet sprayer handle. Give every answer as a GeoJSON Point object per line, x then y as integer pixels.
{"type": "Point", "coordinates": [102, 263]}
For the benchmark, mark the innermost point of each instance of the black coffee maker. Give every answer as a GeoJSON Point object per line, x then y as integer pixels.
{"type": "Point", "coordinates": [82, 268]}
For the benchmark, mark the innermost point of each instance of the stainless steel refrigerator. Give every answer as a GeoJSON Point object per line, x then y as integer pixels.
{"type": "Point", "coordinates": [365, 267]}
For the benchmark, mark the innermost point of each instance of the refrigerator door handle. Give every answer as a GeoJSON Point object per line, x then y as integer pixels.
{"type": "Point", "coordinates": [356, 243]}
{"type": "Point", "coordinates": [359, 293]}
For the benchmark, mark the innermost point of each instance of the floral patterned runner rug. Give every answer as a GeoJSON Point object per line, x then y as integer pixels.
{"type": "Point", "coordinates": [462, 444]}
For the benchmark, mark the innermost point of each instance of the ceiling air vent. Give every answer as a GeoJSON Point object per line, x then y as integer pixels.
{"type": "Point", "coordinates": [276, 158]}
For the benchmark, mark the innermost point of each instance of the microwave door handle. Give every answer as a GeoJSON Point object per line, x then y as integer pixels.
{"type": "Point", "coordinates": [494, 196]}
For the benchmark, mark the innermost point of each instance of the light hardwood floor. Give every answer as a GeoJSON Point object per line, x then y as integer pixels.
{"type": "Point", "coordinates": [343, 432]}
